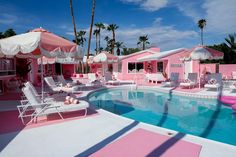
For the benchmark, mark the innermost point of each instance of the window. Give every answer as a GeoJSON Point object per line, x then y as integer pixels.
{"type": "Point", "coordinates": [135, 67]}
{"type": "Point", "coordinates": [160, 67]}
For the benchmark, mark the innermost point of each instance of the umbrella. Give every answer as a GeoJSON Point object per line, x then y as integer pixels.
{"type": "Point", "coordinates": [104, 58]}
{"type": "Point", "coordinates": [203, 53]}
{"type": "Point", "coordinates": [36, 44]}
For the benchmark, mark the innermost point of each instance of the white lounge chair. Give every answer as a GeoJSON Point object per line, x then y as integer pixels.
{"type": "Point", "coordinates": [190, 82]}
{"type": "Point", "coordinates": [214, 81]}
{"type": "Point", "coordinates": [52, 85]}
{"type": "Point", "coordinates": [46, 108]}
{"type": "Point", "coordinates": [174, 78]}
{"type": "Point", "coordinates": [52, 97]}
{"type": "Point", "coordinates": [233, 87]}
{"type": "Point", "coordinates": [109, 80]}
{"type": "Point", "coordinates": [62, 80]}
{"type": "Point", "coordinates": [58, 88]}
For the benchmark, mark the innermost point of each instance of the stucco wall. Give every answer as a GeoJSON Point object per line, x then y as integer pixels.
{"type": "Point", "coordinates": [130, 76]}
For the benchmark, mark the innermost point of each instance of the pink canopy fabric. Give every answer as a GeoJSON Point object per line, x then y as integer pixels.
{"type": "Point", "coordinates": [37, 43]}
{"type": "Point", "coordinates": [53, 43]}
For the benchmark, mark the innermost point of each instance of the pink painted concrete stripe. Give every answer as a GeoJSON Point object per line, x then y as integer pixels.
{"type": "Point", "coordinates": [140, 143]}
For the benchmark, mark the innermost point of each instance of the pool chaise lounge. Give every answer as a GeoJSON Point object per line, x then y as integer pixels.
{"type": "Point", "coordinates": [57, 88]}
{"type": "Point", "coordinates": [141, 142]}
{"type": "Point", "coordinates": [190, 82]}
{"type": "Point", "coordinates": [214, 81]}
{"type": "Point", "coordinates": [62, 80]}
{"type": "Point", "coordinates": [40, 108]}
{"type": "Point", "coordinates": [174, 78]}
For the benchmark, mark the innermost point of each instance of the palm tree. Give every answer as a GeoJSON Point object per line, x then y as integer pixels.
{"type": "Point", "coordinates": [119, 45]}
{"type": "Point", "coordinates": [143, 40]}
{"type": "Point", "coordinates": [109, 44]}
{"type": "Point", "coordinates": [73, 21]}
{"type": "Point", "coordinates": [99, 26]}
{"type": "Point", "coordinates": [9, 32]}
{"type": "Point", "coordinates": [96, 33]}
{"type": "Point", "coordinates": [90, 31]}
{"type": "Point", "coordinates": [1, 35]}
{"type": "Point", "coordinates": [201, 25]}
{"type": "Point", "coordinates": [113, 27]}
{"type": "Point", "coordinates": [80, 37]}
{"type": "Point", "coordinates": [230, 42]}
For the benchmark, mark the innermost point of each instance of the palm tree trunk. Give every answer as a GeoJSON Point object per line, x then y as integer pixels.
{"type": "Point", "coordinates": [99, 41]}
{"type": "Point", "coordinates": [202, 36]}
{"type": "Point", "coordinates": [97, 49]}
{"type": "Point", "coordinates": [113, 42]}
{"type": "Point", "coordinates": [90, 31]}
{"type": "Point", "coordinates": [143, 46]}
{"type": "Point", "coordinates": [73, 21]}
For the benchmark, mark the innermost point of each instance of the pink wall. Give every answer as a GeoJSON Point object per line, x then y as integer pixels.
{"type": "Point", "coordinates": [227, 69]}
{"type": "Point", "coordinates": [174, 64]}
{"type": "Point", "coordinates": [211, 68]}
{"type": "Point", "coordinates": [129, 76]}
{"type": "Point", "coordinates": [224, 69]}
{"type": "Point", "coordinates": [67, 70]}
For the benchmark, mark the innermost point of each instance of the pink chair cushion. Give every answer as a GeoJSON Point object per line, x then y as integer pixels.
{"type": "Point", "coordinates": [187, 81]}
{"type": "Point", "coordinates": [140, 143]}
{"type": "Point", "coordinates": [212, 81]}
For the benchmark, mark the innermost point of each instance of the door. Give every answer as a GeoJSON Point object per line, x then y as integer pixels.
{"type": "Point", "coordinates": [187, 68]}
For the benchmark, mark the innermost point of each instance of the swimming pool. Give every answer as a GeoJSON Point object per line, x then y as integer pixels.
{"type": "Point", "coordinates": [201, 117]}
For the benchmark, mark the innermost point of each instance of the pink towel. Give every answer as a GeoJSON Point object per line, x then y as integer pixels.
{"type": "Point", "coordinates": [141, 143]}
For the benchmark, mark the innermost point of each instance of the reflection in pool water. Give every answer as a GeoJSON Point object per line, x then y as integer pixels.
{"type": "Point", "coordinates": [202, 117]}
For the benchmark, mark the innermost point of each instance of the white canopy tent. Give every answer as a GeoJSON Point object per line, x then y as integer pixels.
{"type": "Point", "coordinates": [36, 44]}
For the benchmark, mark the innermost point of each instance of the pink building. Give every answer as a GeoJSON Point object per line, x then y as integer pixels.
{"type": "Point", "coordinates": [151, 61]}
{"type": "Point", "coordinates": [129, 67]}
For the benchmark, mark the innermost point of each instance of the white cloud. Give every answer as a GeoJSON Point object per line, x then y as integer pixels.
{"type": "Point", "coordinates": [220, 16]}
{"type": "Point", "coordinates": [149, 5]}
{"type": "Point", "coordinates": [165, 37]}
{"type": "Point", "coordinates": [7, 18]}
{"type": "Point", "coordinates": [190, 9]}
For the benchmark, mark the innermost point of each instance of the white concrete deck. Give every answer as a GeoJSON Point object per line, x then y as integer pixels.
{"type": "Point", "coordinates": [87, 135]}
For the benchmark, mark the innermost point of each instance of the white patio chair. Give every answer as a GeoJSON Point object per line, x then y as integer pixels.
{"type": "Point", "coordinates": [233, 88]}
{"type": "Point", "coordinates": [174, 78]}
{"type": "Point", "coordinates": [45, 108]}
{"type": "Point", "coordinates": [217, 84]}
{"type": "Point", "coordinates": [62, 80]}
{"type": "Point", "coordinates": [192, 81]}
{"type": "Point", "coordinates": [52, 85]}
{"type": "Point", "coordinates": [109, 80]}
{"type": "Point", "coordinates": [46, 98]}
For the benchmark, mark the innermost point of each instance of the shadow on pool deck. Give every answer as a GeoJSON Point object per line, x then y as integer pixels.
{"type": "Point", "coordinates": [166, 145]}
{"type": "Point", "coordinates": [108, 140]}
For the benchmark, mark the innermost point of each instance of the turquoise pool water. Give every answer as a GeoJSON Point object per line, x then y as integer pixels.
{"type": "Point", "coordinates": [201, 117]}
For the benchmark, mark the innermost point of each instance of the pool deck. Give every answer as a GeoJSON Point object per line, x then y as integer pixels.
{"type": "Point", "coordinates": [84, 136]}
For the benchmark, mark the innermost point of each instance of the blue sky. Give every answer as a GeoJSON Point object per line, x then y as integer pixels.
{"type": "Point", "coordinates": [168, 23]}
